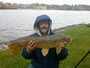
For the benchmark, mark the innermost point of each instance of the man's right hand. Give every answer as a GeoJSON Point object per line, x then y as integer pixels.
{"type": "Point", "coordinates": [31, 46]}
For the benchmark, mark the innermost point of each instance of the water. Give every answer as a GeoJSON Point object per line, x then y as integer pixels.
{"type": "Point", "coordinates": [19, 23]}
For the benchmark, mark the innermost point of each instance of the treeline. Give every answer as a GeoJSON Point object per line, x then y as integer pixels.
{"type": "Point", "coordinates": [69, 7]}
{"type": "Point", "coordinates": [39, 6]}
{"type": "Point", "coordinates": [6, 6]}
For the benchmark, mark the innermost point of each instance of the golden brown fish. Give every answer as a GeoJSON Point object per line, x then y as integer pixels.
{"type": "Point", "coordinates": [44, 42]}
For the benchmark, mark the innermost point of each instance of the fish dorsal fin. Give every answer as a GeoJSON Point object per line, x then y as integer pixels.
{"type": "Point", "coordinates": [58, 50]}
{"type": "Point", "coordinates": [45, 51]}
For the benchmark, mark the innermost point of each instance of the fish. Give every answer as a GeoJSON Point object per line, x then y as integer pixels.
{"type": "Point", "coordinates": [43, 42]}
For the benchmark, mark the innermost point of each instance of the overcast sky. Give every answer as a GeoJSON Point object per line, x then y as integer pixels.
{"type": "Point", "coordinates": [49, 1]}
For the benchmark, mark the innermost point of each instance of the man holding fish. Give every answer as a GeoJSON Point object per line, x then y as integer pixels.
{"type": "Point", "coordinates": [43, 58]}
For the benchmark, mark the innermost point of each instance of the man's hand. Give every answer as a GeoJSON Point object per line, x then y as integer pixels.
{"type": "Point", "coordinates": [62, 45]}
{"type": "Point", "coordinates": [31, 46]}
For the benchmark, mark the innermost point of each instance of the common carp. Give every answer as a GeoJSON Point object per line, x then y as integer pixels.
{"type": "Point", "coordinates": [44, 42]}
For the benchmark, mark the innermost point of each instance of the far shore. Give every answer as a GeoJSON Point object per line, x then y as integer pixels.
{"type": "Point", "coordinates": [40, 9]}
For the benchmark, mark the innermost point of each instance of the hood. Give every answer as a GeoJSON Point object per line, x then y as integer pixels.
{"type": "Point", "coordinates": [41, 18]}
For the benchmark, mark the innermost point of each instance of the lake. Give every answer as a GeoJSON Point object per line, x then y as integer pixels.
{"type": "Point", "coordinates": [19, 23]}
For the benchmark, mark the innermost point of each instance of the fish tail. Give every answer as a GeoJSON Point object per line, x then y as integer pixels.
{"type": "Point", "coordinates": [16, 47]}
{"type": "Point", "coordinates": [16, 51]}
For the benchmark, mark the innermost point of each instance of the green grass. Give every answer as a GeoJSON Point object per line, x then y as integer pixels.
{"type": "Point", "coordinates": [76, 49]}
{"type": "Point", "coordinates": [8, 60]}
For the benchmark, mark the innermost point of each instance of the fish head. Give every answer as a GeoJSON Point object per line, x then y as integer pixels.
{"type": "Point", "coordinates": [61, 39]}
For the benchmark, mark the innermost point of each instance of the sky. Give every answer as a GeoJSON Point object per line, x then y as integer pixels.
{"type": "Point", "coordinates": [59, 2]}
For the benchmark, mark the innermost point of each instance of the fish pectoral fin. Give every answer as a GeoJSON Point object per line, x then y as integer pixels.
{"type": "Point", "coordinates": [58, 50]}
{"type": "Point", "coordinates": [45, 51]}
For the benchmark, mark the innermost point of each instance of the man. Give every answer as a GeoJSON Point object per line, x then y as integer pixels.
{"type": "Point", "coordinates": [42, 26]}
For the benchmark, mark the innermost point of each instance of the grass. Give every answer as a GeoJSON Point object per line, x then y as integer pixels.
{"type": "Point", "coordinates": [8, 60]}
{"type": "Point", "coordinates": [76, 49]}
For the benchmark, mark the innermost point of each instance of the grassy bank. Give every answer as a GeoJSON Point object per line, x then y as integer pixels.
{"type": "Point", "coordinates": [76, 49]}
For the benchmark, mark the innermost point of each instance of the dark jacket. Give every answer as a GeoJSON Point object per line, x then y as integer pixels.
{"type": "Point", "coordinates": [51, 60]}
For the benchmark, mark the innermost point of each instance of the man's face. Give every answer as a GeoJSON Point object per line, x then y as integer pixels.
{"type": "Point", "coordinates": [43, 27]}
